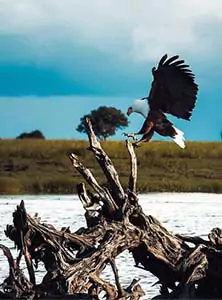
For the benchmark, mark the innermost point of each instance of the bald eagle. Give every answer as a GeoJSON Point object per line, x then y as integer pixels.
{"type": "Point", "coordinates": [173, 91]}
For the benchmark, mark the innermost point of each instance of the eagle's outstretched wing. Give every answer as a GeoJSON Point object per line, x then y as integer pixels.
{"type": "Point", "coordinates": [173, 89]}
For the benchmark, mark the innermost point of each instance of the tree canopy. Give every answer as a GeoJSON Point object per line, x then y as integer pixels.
{"type": "Point", "coordinates": [105, 121]}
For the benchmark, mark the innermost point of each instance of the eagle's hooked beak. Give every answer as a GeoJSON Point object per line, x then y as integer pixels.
{"type": "Point", "coordinates": [129, 111]}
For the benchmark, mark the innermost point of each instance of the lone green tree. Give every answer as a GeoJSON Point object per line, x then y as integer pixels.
{"type": "Point", "coordinates": [105, 121]}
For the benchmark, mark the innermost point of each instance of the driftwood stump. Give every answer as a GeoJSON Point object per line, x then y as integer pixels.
{"type": "Point", "coordinates": [187, 267]}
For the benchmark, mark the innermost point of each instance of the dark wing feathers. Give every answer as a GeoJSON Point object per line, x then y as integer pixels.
{"type": "Point", "coordinates": [170, 60]}
{"type": "Point", "coordinates": [173, 89]}
{"type": "Point", "coordinates": [162, 61]}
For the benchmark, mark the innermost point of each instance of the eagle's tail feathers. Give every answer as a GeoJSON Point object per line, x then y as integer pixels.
{"type": "Point", "coordinates": [179, 138]}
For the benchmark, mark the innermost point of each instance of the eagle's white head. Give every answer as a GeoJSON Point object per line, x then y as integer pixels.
{"type": "Point", "coordinates": [139, 106]}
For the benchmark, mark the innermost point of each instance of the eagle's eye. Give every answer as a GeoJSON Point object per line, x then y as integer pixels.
{"type": "Point", "coordinates": [129, 111]}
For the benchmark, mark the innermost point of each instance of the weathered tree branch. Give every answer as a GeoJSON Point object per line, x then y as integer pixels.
{"type": "Point", "coordinates": [86, 173]}
{"type": "Point", "coordinates": [133, 162]}
{"type": "Point", "coordinates": [106, 165]}
{"type": "Point", "coordinates": [103, 194]}
{"type": "Point", "coordinates": [186, 266]}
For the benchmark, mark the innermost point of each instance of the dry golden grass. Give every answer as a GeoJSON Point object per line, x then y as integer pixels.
{"type": "Point", "coordinates": [42, 166]}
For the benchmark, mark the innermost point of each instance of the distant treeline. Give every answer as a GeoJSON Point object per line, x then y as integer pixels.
{"type": "Point", "coordinates": [42, 167]}
{"type": "Point", "coordinates": [35, 134]}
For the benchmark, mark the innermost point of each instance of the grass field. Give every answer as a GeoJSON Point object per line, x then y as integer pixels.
{"type": "Point", "coordinates": [42, 166]}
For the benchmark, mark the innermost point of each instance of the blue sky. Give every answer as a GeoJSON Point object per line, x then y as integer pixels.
{"type": "Point", "coordinates": [61, 59]}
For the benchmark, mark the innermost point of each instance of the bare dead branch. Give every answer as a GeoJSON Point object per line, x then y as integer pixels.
{"type": "Point", "coordinates": [86, 173]}
{"type": "Point", "coordinates": [115, 271]}
{"type": "Point", "coordinates": [104, 194]}
{"type": "Point", "coordinates": [106, 165]}
{"type": "Point", "coordinates": [88, 203]}
{"type": "Point", "coordinates": [133, 162]}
